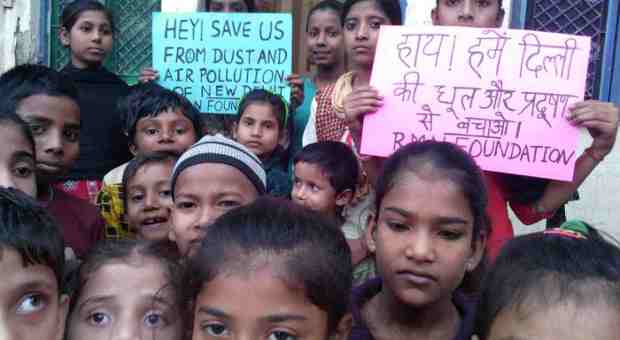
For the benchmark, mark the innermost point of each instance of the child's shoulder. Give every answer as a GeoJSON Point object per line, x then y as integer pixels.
{"type": "Point", "coordinates": [115, 176]}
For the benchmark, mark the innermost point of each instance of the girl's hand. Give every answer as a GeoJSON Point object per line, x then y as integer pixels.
{"type": "Point", "coordinates": [358, 103]}
{"type": "Point", "coordinates": [601, 120]}
{"type": "Point", "coordinates": [297, 90]}
{"type": "Point", "coordinates": [148, 74]}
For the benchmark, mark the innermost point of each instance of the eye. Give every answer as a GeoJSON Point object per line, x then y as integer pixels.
{"type": "Point", "coordinates": [268, 126]}
{"type": "Point", "coordinates": [106, 31]}
{"type": "Point", "coordinates": [99, 319]}
{"type": "Point", "coordinates": [228, 204]}
{"type": "Point", "coordinates": [138, 197]}
{"type": "Point", "coordinates": [166, 193]}
{"type": "Point", "coordinates": [216, 329]}
{"type": "Point", "coordinates": [313, 33]}
{"type": "Point", "coordinates": [85, 28]}
{"type": "Point", "coordinates": [31, 303]}
{"type": "Point", "coordinates": [180, 130]}
{"type": "Point", "coordinates": [375, 24]}
{"type": "Point", "coordinates": [154, 319]}
{"type": "Point", "coordinates": [23, 171]}
{"type": "Point", "coordinates": [396, 225]}
{"type": "Point", "coordinates": [185, 205]}
{"type": "Point", "coordinates": [281, 335]}
{"type": "Point", "coordinates": [315, 188]}
{"type": "Point", "coordinates": [333, 34]}
{"type": "Point", "coordinates": [350, 25]}
{"type": "Point", "coordinates": [72, 135]}
{"type": "Point", "coordinates": [248, 122]}
{"type": "Point", "coordinates": [450, 235]}
{"type": "Point", "coordinates": [37, 129]}
{"type": "Point", "coordinates": [453, 2]}
{"type": "Point", "coordinates": [484, 3]}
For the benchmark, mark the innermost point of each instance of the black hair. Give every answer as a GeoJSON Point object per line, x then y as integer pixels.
{"type": "Point", "coordinates": [8, 117]}
{"type": "Point", "coordinates": [325, 5]}
{"type": "Point", "coordinates": [29, 229]}
{"type": "Point", "coordinates": [104, 252]}
{"type": "Point", "coordinates": [500, 2]}
{"type": "Point", "coordinates": [447, 160]}
{"type": "Point", "coordinates": [540, 270]}
{"type": "Point", "coordinates": [310, 247]}
{"type": "Point", "coordinates": [29, 80]}
{"type": "Point", "coordinates": [391, 8]}
{"type": "Point", "coordinates": [248, 3]}
{"type": "Point", "coordinates": [72, 11]}
{"type": "Point", "coordinates": [141, 160]}
{"type": "Point", "coordinates": [336, 159]}
{"type": "Point", "coordinates": [280, 108]}
{"type": "Point", "coordinates": [149, 100]}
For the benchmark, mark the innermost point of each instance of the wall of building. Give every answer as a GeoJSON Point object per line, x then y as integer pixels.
{"type": "Point", "coordinates": [19, 31]}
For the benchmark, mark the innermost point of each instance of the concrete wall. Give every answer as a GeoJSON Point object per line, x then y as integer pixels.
{"type": "Point", "coordinates": [19, 32]}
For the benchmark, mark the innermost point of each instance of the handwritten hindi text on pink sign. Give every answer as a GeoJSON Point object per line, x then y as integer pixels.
{"type": "Point", "coordinates": [502, 95]}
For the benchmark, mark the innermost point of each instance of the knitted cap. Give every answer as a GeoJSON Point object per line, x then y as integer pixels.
{"type": "Point", "coordinates": [219, 149]}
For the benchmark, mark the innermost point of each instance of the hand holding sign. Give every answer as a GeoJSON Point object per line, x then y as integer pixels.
{"type": "Point", "coordinates": [502, 95]}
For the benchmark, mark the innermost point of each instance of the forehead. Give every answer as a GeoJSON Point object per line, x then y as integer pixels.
{"type": "Point", "coordinates": [152, 172]}
{"type": "Point", "coordinates": [259, 110]}
{"type": "Point", "coordinates": [229, 2]}
{"type": "Point", "coordinates": [324, 17]}
{"type": "Point", "coordinates": [16, 274]}
{"type": "Point", "coordinates": [167, 116]}
{"type": "Point", "coordinates": [96, 17]}
{"type": "Point", "coordinates": [212, 179]}
{"type": "Point", "coordinates": [310, 171]}
{"type": "Point", "coordinates": [57, 109]}
{"type": "Point", "coordinates": [13, 139]}
{"type": "Point", "coordinates": [366, 9]}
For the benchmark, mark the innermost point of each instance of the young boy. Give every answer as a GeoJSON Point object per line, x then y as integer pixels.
{"type": "Point", "coordinates": [148, 199]}
{"type": "Point", "coordinates": [32, 303]}
{"type": "Point", "coordinates": [214, 176]}
{"type": "Point", "coordinates": [261, 127]}
{"type": "Point", "coordinates": [156, 119]}
{"type": "Point", "coordinates": [47, 102]}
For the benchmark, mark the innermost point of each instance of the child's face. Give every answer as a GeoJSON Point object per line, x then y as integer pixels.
{"type": "Point", "coordinates": [324, 38]}
{"type": "Point", "coordinates": [272, 310]}
{"type": "Point", "coordinates": [126, 300]}
{"type": "Point", "coordinates": [203, 193]}
{"type": "Point", "coordinates": [31, 306]}
{"type": "Point", "coordinates": [149, 200]}
{"type": "Point", "coordinates": [312, 189]}
{"type": "Point", "coordinates": [90, 39]}
{"type": "Point", "coordinates": [55, 125]}
{"type": "Point", "coordinates": [423, 238]}
{"type": "Point", "coordinates": [562, 321]}
{"type": "Point", "coordinates": [258, 129]}
{"type": "Point", "coordinates": [168, 131]}
{"type": "Point", "coordinates": [361, 32]}
{"type": "Point", "coordinates": [472, 13]}
{"type": "Point", "coordinates": [227, 6]}
{"type": "Point", "coordinates": [17, 165]}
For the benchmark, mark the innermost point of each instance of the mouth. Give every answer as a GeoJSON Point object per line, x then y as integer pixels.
{"type": "Point", "coordinates": [50, 167]}
{"type": "Point", "coordinates": [253, 144]}
{"type": "Point", "coordinates": [154, 222]}
{"type": "Point", "coordinates": [416, 278]}
{"type": "Point", "coordinates": [98, 51]}
{"type": "Point", "coordinates": [362, 50]}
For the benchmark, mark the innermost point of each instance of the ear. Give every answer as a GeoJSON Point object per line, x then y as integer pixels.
{"type": "Point", "coordinates": [63, 310]}
{"type": "Point", "coordinates": [435, 16]}
{"type": "Point", "coordinates": [344, 198]}
{"type": "Point", "coordinates": [500, 18]}
{"type": "Point", "coordinates": [477, 252]}
{"type": "Point", "coordinates": [65, 38]}
{"type": "Point", "coordinates": [133, 149]}
{"type": "Point", "coordinates": [371, 230]}
{"type": "Point", "coordinates": [284, 139]}
{"type": "Point", "coordinates": [233, 130]}
{"type": "Point", "coordinates": [343, 329]}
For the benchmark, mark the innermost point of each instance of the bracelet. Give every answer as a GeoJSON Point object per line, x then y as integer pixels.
{"type": "Point", "coordinates": [597, 157]}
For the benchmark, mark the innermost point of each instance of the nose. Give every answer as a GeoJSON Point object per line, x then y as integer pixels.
{"type": "Point", "coordinates": [151, 202]}
{"type": "Point", "coordinates": [299, 192]}
{"type": "Point", "coordinates": [206, 218]}
{"type": "Point", "coordinates": [6, 180]}
{"type": "Point", "coordinates": [467, 11]}
{"type": "Point", "coordinates": [126, 330]}
{"type": "Point", "coordinates": [5, 330]}
{"type": "Point", "coordinates": [167, 136]}
{"type": "Point", "coordinates": [362, 31]}
{"type": "Point", "coordinates": [256, 130]}
{"type": "Point", "coordinates": [53, 143]}
{"type": "Point", "coordinates": [321, 39]}
{"type": "Point", "coordinates": [420, 247]}
{"type": "Point", "coordinates": [96, 36]}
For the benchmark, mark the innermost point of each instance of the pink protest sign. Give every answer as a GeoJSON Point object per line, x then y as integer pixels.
{"type": "Point", "coordinates": [502, 95]}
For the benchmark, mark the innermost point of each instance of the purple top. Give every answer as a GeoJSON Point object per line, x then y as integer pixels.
{"type": "Point", "coordinates": [362, 294]}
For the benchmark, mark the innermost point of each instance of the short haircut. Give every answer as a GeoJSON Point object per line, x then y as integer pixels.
{"type": "Point", "coordinates": [310, 248]}
{"type": "Point", "coordinates": [391, 8]}
{"type": "Point", "coordinates": [149, 100]}
{"type": "Point", "coordinates": [249, 3]}
{"type": "Point", "coordinates": [325, 5]}
{"type": "Point", "coordinates": [9, 117]}
{"type": "Point", "coordinates": [336, 159]}
{"type": "Point", "coordinates": [539, 270]}
{"type": "Point", "coordinates": [141, 160]}
{"type": "Point", "coordinates": [26, 227]}
{"type": "Point", "coordinates": [260, 96]}
{"type": "Point", "coordinates": [71, 13]}
{"type": "Point", "coordinates": [29, 80]}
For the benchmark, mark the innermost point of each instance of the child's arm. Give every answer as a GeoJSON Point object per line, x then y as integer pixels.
{"type": "Point", "coordinates": [148, 74]}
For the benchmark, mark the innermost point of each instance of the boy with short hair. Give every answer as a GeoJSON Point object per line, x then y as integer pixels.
{"type": "Point", "coordinates": [32, 263]}
{"type": "Point", "coordinates": [48, 102]}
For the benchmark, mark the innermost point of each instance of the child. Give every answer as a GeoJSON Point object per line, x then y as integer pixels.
{"type": "Point", "coordinates": [17, 164]}
{"type": "Point", "coordinates": [87, 29]}
{"type": "Point", "coordinates": [229, 6]}
{"type": "Point", "coordinates": [148, 198]}
{"type": "Point", "coordinates": [292, 264]}
{"type": "Point", "coordinates": [563, 283]}
{"type": "Point", "coordinates": [600, 118]}
{"type": "Point", "coordinates": [129, 289]}
{"type": "Point", "coordinates": [427, 232]}
{"type": "Point", "coordinates": [260, 126]}
{"type": "Point", "coordinates": [214, 176]}
{"type": "Point", "coordinates": [156, 119]}
{"type": "Point", "coordinates": [48, 102]}
{"type": "Point", "coordinates": [32, 260]}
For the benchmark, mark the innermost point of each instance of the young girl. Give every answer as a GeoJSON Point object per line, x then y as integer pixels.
{"type": "Point", "coordinates": [131, 290]}
{"type": "Point", "coordinates": [261, 127]}
{"type": "Point", "coordinates": [293, 266]}
{"type": "Point", "coordinates": [87, 29]}
{"type": "Point", "coordinates": [563, 284]}
{"type": "Point", "coordinates": [600, 118]}
{"type": "Point", "coordinates": [427, 232]}
{"type": "Point", "coordinates": [17, 156]}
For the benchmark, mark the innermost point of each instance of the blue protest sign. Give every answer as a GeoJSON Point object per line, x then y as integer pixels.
{"type": "Point", "coordinates": [216, 58]}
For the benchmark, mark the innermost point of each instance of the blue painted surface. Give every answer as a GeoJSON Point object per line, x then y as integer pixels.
{"type": "Point", "coordinates": [610, 75]}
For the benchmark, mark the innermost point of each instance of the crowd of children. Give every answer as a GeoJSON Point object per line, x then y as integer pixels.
{"type": "Point", "coordinates": [121, 219]}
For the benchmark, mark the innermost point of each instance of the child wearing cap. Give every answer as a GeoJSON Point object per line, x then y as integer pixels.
{"type": "Point", "coordinates": [212, 177]}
